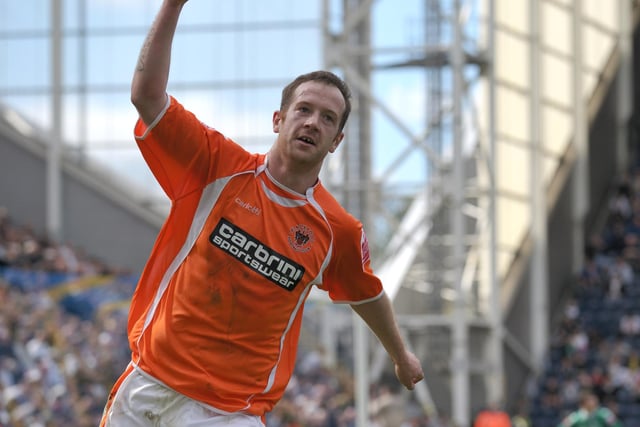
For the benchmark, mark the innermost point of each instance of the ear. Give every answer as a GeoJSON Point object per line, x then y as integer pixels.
{"type": "Point", "coordinates": [276, 121]}
{"type": "Point", "coordinates": [336, 142]}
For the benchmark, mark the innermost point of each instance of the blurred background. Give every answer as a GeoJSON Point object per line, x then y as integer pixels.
{"type": "Point", "coordinates": [491, 155]}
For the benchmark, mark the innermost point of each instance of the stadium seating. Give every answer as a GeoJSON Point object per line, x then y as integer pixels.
{"type": "Point", "coordinates": [63, 341]}
{"type": "Point", "coordinates": [63, 344]}
{"type": "Point", "coordinates": [597, 342]}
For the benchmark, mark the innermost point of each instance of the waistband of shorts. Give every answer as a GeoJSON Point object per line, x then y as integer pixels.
{"type": "Point", "coordinates": [153, 379]}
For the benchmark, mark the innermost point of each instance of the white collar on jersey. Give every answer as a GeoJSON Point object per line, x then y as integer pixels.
{"type": "Point", "coordinates": [263, 168]}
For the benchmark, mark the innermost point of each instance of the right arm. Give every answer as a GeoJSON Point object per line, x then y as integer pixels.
{"type": "Point", "coordinates": [149, 85]}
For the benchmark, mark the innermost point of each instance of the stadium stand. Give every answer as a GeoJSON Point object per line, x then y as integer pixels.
{"type": "Point", "coordinates": [63, 344]}
{"type": "Point", "coordinates": [60, 346]}
{"type": "Point", "coordinates": [597, 342]}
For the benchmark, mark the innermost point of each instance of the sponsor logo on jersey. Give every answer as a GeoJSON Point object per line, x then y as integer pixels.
{"type": "Point", "coordinates": [260, 258]}
{"type": "Point", "coordinates": [301, 238]}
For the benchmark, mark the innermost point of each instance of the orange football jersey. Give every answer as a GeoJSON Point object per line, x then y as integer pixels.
{"type": "Point", "coordinates": [217, 311]}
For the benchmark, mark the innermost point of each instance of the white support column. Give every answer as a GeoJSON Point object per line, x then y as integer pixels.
{"type": "Point", "coordinates": [361, 374]}
{"type": "Point", "coordinates": [538, 277]}
{"type": "Point", "coordinates": [356, 30]}
{"type": "Point", "coordinates": [495, 377]}
{"type": "Point", "coordinates": [625, 83]}
{"type": "Point", "coordinates": [580, 141]}
{"type": "Point", "coordinates": [460, 332]}
{"type": "Point", "coordinates": [54, 152]}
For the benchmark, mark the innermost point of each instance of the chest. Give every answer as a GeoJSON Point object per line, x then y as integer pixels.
{"type": "Point", "coordinates": [263, 235]}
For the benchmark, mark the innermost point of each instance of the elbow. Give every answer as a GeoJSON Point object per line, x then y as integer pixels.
{"type": "Point", "coordinates": [148, 104]}
{"type": "Point", "coordinates": [140, 98]}
{"type": "Point", "coordinates": [140, 105]}
{"type": "Point", "coordinates": [137, 98]}
{"type": "Point", "coordinates": [146, 92]}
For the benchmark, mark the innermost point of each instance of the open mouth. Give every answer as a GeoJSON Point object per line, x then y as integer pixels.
{"type": "Point", "coordinates": [306, 140]}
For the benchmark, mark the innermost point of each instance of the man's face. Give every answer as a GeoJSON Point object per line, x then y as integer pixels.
{"type": "Point", "coordinates": [309, 128]}
{"type": "Point", "coordinates": [592, 403]}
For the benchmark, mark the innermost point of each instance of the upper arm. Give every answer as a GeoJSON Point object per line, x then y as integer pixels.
{"type": "Point", "coordinates": [149, 108]}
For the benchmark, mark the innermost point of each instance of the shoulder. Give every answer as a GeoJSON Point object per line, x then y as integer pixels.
{"type": "Point", "coordinates": [337, 216]}
{"type": "Point", "coordinates": [571, 419]}
{"type": "Point", "coordinates": [607, 415]}
{"type": "Point", "coordinates": [348, 232]}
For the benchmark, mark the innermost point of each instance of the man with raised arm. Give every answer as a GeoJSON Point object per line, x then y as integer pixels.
{"type": "Point", "coordinates": [215, 318]}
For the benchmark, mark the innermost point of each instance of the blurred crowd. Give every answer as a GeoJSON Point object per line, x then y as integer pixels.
{"type": "Point", "coordinates": [57, 367]}
{"type": "Point", "coordinates": [58, 363]}
{"type": "Point", "coordinates": [21, 247]}
{"type": "Point", "coordinates": [597, 343]}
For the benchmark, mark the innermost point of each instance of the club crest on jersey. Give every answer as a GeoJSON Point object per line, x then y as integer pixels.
{"type": "Point", "coordinates": [300, 238]}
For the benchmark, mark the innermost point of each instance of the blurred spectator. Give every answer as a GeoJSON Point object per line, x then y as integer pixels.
{"type": "Point", "coordinates": [620, 204]}
{"type": "Point", "coordinates": [630, 323]}
{"type": "Point", "coordinates": [614, 237]}
{"type": "Point", "coordinates": [590, 413]}
{"type": "Point", "coordinates": [492, 416]}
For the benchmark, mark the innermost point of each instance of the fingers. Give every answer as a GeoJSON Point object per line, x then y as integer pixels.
{"type": "Point", "coordinates": [415, 380]}
{"type": "Point", "coordinates": [409, 378]}
{"type": "Point", "coordinates": [409, 371]}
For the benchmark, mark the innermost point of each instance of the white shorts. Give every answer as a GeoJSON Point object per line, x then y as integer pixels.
{"type": "Point", "coordinates": [142, 402]}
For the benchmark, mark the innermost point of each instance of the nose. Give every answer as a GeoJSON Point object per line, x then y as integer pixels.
{"type": "Point", "coordinates": [312, 120]}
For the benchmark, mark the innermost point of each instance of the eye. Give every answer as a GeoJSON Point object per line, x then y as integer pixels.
{"type": "Point", "coordinates": [329, 118]}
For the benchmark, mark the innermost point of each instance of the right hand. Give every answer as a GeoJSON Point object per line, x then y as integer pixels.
{"type": "Point", "coordinates": [409, 371]}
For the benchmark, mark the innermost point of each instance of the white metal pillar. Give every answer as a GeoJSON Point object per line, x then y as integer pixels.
{"type": "Point", "coordinates": [538, 276]}
{"type": "Point", "coordinates": [460, 331]}
{"type": "Point", "coordinates": [625, 83]}
{"type": "Point", "coordinates": [580, 141]}
{"type": "Point", "coordinates": [54, 152]}
{"type": "Point", "coordinates": [495, 376]}
{"type": "Point", "coordinates": [358, 174]}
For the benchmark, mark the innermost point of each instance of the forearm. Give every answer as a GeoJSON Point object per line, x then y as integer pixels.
{"type": "Point", "coordinates": [378, 315]}
{"type": "Point", "coordinates": [149, 85]}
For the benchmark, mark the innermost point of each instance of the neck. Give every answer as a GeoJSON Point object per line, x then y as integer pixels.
{"type": "Point", "coordinates": [294, 176]}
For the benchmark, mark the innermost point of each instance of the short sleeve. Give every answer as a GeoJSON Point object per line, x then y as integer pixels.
{"type": "Point", "coordinates": [349, 278]}
{"type": "Point", "coordinates": [180, 150]}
